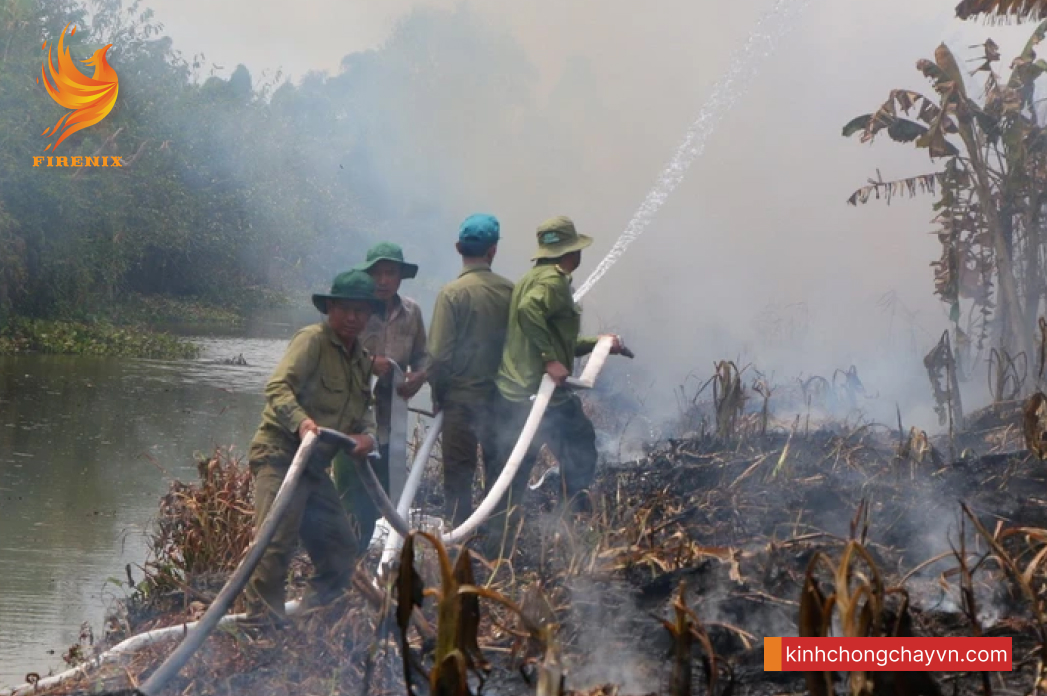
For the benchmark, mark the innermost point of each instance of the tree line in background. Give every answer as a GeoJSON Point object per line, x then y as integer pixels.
{"type": "Point", "coordinates": [235, 192]}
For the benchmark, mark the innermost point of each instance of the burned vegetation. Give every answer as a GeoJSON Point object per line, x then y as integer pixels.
{"type": "Point", "coordinates": [774, 509]}
{"type": "Point", "coordinates": [778, 511]}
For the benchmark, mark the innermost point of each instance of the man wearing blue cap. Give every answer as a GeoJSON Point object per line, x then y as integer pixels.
{"type": "Point", "coordinates": [466, 338]}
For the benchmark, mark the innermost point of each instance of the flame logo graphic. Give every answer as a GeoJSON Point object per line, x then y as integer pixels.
{"type": "Point", "coordinates": [90, 98]}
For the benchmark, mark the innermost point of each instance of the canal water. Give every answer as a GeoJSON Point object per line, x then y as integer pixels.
{"type": "Point", "coordinates": [87, 448]}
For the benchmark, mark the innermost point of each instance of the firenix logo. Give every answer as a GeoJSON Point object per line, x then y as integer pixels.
{"type": "Point", "coordinates": [90, 99]}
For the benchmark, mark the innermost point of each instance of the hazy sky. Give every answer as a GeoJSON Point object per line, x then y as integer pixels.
{"type": "Point", "coordinates": [761, 217]}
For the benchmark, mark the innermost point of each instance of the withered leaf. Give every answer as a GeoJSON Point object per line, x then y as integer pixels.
{"type": "Point", "coordinates": [409, 586]}
{"type": "Point", "coordinates": [1029, 52]}
{"type": "Point", "coordinates": [947, 62]}
{"type": "Point", "coordinates": [812, 618]}
{"type": "Point", "coordinates": [1034, 424]}
{"type": "Point", "coordinates": [905, 131]}
{"type": "Point", "coordinates": [857, 125]}
{"type": "Point", "coordinates": [469, 613]}
{"type": "Point", "coordinates": [989, 124]}
{"type": "Point", "coordinates": [449, 677]}
{"type": "Point", "coordinates": [934, 140]}
{"type": "Point", "coordinates": [409, 589]}
{"type": "Point", "coordinates": [934, 73]}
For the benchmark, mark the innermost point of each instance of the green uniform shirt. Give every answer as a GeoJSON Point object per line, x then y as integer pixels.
{"type": "Point", "coordinates": [544, 322]}
{"type": "Point", "coordinates": [317, 378]}
{"type": "Point", "coordinates": [467, 335]}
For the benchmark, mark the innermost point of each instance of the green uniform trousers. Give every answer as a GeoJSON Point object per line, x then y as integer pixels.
{"type": "Point", "coordinates": [354, 499]}
{"type": "Point", "coordinates": [316, 516]}
{"type": "Point", "coordinates": [571, 438]}
{"type": "Point", "coordinates": [466, 425]}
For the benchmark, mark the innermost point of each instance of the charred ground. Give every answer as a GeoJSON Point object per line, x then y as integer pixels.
{"type": "Point", "coordinates": [724, 527]}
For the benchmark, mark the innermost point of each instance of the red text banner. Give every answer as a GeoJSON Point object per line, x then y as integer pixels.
{"type": "Point", "coordinates": [887, 654]}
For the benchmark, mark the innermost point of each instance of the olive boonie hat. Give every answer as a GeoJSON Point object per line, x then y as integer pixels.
{"type": "Point", "coordinates": [480, 227]}
{"type": "Point", "coordinates": [350, 285]}
{"type": "Point", "coordinates": [557, 236]}
{"type": "Point", "coordinates": [387, 251]}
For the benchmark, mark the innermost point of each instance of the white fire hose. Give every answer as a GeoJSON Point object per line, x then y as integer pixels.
{"type": "Point", "coordinates": [396, 516]}
{"type": "Point", "coordinates": [414, 481]}
{"type": "Point", "coordinates": [196, 632]}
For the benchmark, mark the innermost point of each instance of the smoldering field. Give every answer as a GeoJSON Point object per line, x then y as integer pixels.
{"type": "Point", "coordinates": [723, 501]}
{"type": "Point", "coordinates": [725, 521]}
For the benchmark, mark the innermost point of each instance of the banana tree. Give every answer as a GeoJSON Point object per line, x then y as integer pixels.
{"type": "Point", "coordinates": [990, 189]}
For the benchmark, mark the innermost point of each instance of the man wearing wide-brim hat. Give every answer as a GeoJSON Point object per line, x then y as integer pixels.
{"type": "Point", "coordinates": [542, 339]}
{"type": "Point", "coordinates": [397, 333]}
{"type": "Point", "coordinates": [322, 381]}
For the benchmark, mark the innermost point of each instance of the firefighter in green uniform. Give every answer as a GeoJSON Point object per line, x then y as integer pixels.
{"type": "Point", "coordinates": [322, 381]}
{"type": "Point", "coordinates": [465, 348]}
{"type": "Point", "coordinates": [542, 339]}
{"type": "Point", "coordinates": [397, 333]}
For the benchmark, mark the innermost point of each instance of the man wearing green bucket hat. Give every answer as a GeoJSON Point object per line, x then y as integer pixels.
{"type": "Point", "coordinates": [543, 338]}
{"type": "Point", "coordinates": [322, 381]}
{"type": "Point", "coordinates": [465, 348]}
{"type": "Point", "coordinates": [396, 333]}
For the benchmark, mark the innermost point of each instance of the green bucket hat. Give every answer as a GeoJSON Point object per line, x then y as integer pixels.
{"type": "Point", "coordinates": [350, 285]}
{"type": "Point", "coordinates": [387, 251]}
{"type": "Point", "coordinates": [557, 236]}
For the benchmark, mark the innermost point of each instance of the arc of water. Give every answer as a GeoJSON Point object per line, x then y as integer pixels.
{"type": "Point", "coordinates": [742, 68]}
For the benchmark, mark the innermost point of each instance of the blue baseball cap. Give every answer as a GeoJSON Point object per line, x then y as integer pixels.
{"type": "Point", "coordinates": [480, 227]}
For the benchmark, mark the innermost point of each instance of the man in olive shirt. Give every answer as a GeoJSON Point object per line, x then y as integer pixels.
{"type": "Point", "coordinates": [542, 338]}
{"type": "Point", "coordinates": [322, 381]}
{"type": "Point", "coordinates": [397, 333]}
{"type": "Point", "coordinates": [465, 348]}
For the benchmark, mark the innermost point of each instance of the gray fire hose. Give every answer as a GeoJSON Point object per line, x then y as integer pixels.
{"type": "Point", "coordinates": [397, 461]}
{"type": "Point", "coordinates": [373, 487]}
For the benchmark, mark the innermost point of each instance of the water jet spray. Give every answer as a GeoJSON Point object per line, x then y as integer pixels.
{"type": "Point", "coordinates": [760, 44]}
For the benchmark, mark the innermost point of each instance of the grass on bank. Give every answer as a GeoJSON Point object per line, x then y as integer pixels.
{"type": "Point", "coordinates": [20, 335]}
{"type": "Point", "coordinates": [132, 327]}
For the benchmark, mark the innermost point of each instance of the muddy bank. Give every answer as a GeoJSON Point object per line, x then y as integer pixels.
{"type": "Point", "coordinates": [736, 526]}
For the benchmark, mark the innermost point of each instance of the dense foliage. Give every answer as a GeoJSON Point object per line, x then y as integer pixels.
{"type": "Point", "coordinates": [233, 193]}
